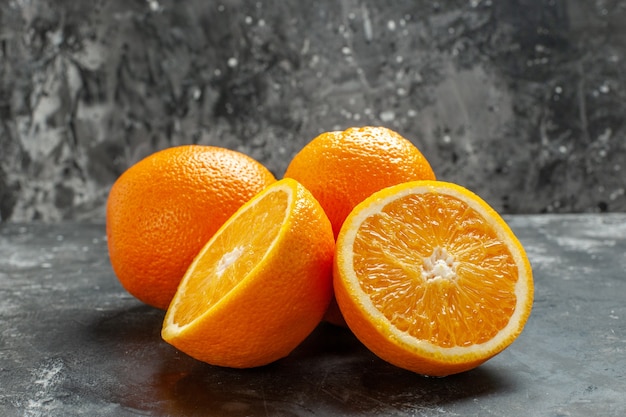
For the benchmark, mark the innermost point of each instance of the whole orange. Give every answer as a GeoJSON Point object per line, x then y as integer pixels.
{"type": "Point", "coordinates": [341, 169]}
{"type": "Point", "coordinates": [163, 209]}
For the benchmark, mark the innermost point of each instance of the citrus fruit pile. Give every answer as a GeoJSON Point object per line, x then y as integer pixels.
{"type": "Point", "coordinates": [358, 232]}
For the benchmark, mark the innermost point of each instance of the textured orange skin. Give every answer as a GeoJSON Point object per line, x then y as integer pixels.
{"type": "Point", "coordinates": [163, 209]}
{"type": "Point", "coordinates": [376, 334]}
{"type": "Point", "coordinates": [341, 169]}
{"type": "Point", "coordinates": [278, 305]}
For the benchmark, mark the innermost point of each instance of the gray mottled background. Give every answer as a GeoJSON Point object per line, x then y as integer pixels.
{"type": "Point", "coordinates": [523, 101]}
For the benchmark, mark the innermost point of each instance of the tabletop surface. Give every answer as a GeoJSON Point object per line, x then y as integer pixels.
{"type": "Point", "coordinates": [73, 342]}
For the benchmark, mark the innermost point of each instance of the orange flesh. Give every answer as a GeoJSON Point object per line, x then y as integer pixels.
{"type": "Point", "coordinates": [234, 253]}
{"type": "Point", "coordinates": [436, 270]}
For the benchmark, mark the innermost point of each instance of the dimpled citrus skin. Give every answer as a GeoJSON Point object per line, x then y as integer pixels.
{"type": "Point", "coordinates": [260, 285]}
{"type": "Point", "coordinates": [162, 210]}
{"type": "Point", "coordinates": [341, 169]}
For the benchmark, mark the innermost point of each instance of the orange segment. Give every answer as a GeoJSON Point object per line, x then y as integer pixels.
{"type": "Point", "coordinates": [260, 285]}
{"type": "Point", "coordinates": [431, 278]}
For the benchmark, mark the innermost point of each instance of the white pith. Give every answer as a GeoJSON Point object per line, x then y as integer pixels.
{"type": "Point", "coordinates": [439, 265]}
{"type": "Point", "coordinates": [228, 259]}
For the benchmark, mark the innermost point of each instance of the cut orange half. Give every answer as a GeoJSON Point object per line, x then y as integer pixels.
{"type": "Point", "coordinates": [260, 285]}
{"type": "Point", "coordinates": [430, 278]}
